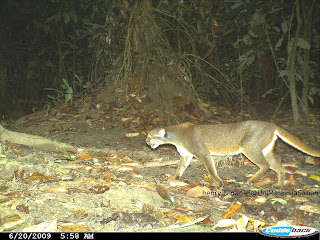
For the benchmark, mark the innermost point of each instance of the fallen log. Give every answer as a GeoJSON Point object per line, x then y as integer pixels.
{"type": "Point", "coordinates": [33, 141]}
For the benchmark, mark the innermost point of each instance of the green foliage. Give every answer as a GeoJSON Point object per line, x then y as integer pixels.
{"type": "Point", "coordinates": [278, 200]}
{"type": "Point", "coordinates": [219, 44]}
{"type": "Point", "coordinates": [66, 92]}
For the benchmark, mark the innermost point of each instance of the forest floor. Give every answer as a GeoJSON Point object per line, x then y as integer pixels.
{"type": "Point", "coordinates": [127, 187]}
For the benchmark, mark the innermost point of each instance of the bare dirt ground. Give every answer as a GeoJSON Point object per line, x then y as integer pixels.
{"type": "Point", "coordinates": [126, 187]}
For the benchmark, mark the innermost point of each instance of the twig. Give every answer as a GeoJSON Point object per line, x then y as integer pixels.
{"type": "Point", "coordinates": [179, 225]}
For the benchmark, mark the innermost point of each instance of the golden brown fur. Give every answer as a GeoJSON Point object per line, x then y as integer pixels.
{"type": "Point", "coordinates": [255, 139]}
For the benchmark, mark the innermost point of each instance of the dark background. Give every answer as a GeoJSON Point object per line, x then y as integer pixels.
{"type": "Point", "coordinates": [240, 54]}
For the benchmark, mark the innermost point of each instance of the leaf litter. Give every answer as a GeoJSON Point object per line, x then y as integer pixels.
{"type": "Point", "coordinates": [126, 187]}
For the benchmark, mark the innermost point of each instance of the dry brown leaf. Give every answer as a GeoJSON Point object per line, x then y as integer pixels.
{"type": "Point", "coordinates": [129, 135]}
{"type": "Point", "coordinates": [97, 169]}
{"type": "Point", "coordinates": [260, 200]}
{"type": "Point", "coordinates": [108, 175]}
{"type": "Point", "coordinates": [158, 215]}
{"type": "Point", "coordinates": [224, 223]}
{"type": "Point", "coordinates": [125, 167]}
{"type": "Point", "coordinates": [186, 188]}
{"type": "Point", "coordinates": [99, 189]}
{"type": "Point", "coordinates": [157, 121]}
{"type": "Point", "coordinates": [89, 122]}
{"type": "Point", "coordinates": [84, 156]}
{"type": "Point", "coordinates": [310, 208]}
{"type": "Point", "coordinates": [177, 100]}
{"type": "Point", "coordinates": [169, 214]}
{"type": "Point", "coordinates": [168, 221]}
{"type": "Point", "coordinates": [183, 219]}
{"type": "Point", "coordinates": [298, 219]}
{"type": "Point", "coordinates": [5, 200]}
{"type": "Point", "coordinates": [125, 119]}
{"type": "Point", "coordinates": [263, 182]}
{"type": "Point", "coordinates": [9, 223]}
{"type": "Point", "coordinates": [197, 191]}
{"type": "Point", "coordinates": [291, 180]}
{"type": "Point", "coordinates": [147, 208]}
{"type": "Point", "coordinates": [148, 128]}
{"type": "Point", "coordinates": [207, 221]}
{"type": "Point", "coordinates": [290, 170]}
{"type": "Point", "coordinates": [164, 193]}
{"type": "Point", "coordinates": [12, 193]}
{"type": "Point", "coordinates": [18, 174]}
{"type": "Point", "coordinates": [57, 190]}
{"type": "Point", "coordinates": [312, 160]}
{"type": "Point", "coordinates": [147, 185]}
{"type": "Point", "coordinates": [251, 202]}
{"type": "Point", "coordinates": [37, 176]}
{"type": "Point", "coordinates": [73, 228]}
{"type": "Point", "coordinates": [231, 211]}
{"type": "Point", "coordinates": [181, 208]}
{"type": "Point", "coordinates": [126, 159]}
{"type": "Point", "coordinates": [153, 112]}
{"type": "Point", "coordinates": [257, 224]}
{"type": "Point", "coordinates": [112, 155]}
{"type": "Point", "coordinates": [124, 139]}
{"type": "Point", "coordinates": [23, 208]}
{"type": "Point", "coordinates": [80, 213]}
{"type": "Point", "coordinates": [280, 215]}
{"type": "Point", "coordinates": [245, 162]}
{"type": "Point", "coordinates": [85, 168]}
{"type": "Point", "coordinates": [242, 223]}
{"type": "Point", "coordinates": [14, 150]}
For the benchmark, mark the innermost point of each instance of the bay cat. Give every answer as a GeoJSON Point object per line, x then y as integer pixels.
{"type": "Point", "coordinates": [255, 139]}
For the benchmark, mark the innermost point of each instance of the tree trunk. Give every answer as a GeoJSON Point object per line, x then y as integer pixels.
{"type": "Point", "coordinates": [3, 90]}
{"type": "Point", "coordinates": [292, 49]}
{"type": "Point", "coordinates": [307, 15]}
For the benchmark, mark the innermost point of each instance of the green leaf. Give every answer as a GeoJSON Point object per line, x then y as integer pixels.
{"type": "Point", "coordinates": [282, 73]}
{"type": "Point", "coordinates": [236, 5]}
{"type": "Point", "coordinates": [279, 200]}
{"type": "Point", "coordinates": [253, 34]}
{"type": "Point", "coordinates": [67, 97]}
{"type": "Point", "coordinates": [277, 29]}
{"type": "Point", "coordinates": [246, 39]}
{"type": "Point", "coordinates": [284, 27]}
{"type": "Point", "coordinates": [298, 76]}
{"type": "Point", "coordinates": [50, 19]}
{"type": "Point", "coordinates": [244, 11]}
{"type": "Point", "coordinates": [58, 17]}
{"type": "Point", "coordinates": [86, 21]}
{"type": "Point", "coordinates": [256, 16]}
{"type": "Point", "coordinates": [303, 43]}
{"type": "Point", "coordinates": [65, 82]}
{"type": "Point", "coordinates": [66, 17]}
{"type": "Point", "coordinates": [313, 91]}
{"type": "Point", "coordinates": [74, 17]}
{"type": "Point", "coordinates": [51, 97]}
{"type": "Point", "coordinates": [65, 87]}
{"type": "Point", "coordinates": [279, 43]}
{"type": "Point", "coordinates": [310, 99]}
{"type": "Point", "coordinates": [20, 122]}
{"type": "Point", "coordinates": [69, 90]}
{"type": "Point", "coordinates": [50, 89]}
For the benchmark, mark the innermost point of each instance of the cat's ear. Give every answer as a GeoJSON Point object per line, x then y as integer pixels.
{"type": "Point", "coordinates": [162, 133]}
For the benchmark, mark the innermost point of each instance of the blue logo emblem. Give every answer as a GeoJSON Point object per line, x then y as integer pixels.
{"type": "Point", "coordinates": [288, 231]}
